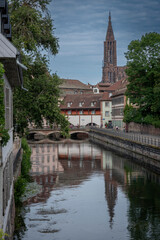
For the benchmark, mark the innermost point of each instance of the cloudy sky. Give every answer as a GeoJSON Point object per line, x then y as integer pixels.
{"type": "Point", "coordinates": [81, 25]}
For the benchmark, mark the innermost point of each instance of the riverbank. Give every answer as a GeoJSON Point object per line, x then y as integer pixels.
{"type": "Point", "coordinates": [143, 153]}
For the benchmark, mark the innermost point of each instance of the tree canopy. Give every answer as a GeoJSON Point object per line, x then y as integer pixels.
{"type": "Point", "coordinates": [32, 34]}
{"type": "Point", "coordinates": [143, 71]}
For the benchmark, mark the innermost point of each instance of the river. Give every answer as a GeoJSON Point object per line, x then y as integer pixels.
{"type": "Point", "coordinates": [89, 193]}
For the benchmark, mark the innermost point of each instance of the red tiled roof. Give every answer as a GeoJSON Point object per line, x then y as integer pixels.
{"type": "Point", "coordinates": [115, 86]}
{"type": "Point", "coordinates": [105, 97]}
{"type": "Point", "coordinates": [104, 84]}
{"type": "Point", "coordinates": [86, 99]}
{"type": "Point", "coordinates": [122, 88]}
{"type": "Point", "coordinates": [71, 83]}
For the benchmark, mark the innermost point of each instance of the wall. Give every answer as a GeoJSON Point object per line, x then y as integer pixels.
{"type": "Point", "coordinates": [146, 155]}
{"type": "Point", "coordinates": [104, 109]}
{"type": "Point", "coordinates": [146, 129]}
{"type": "Point", "coordinates": [83, 120]}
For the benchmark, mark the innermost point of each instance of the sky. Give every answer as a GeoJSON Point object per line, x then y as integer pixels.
{"type": "Point", "coordinates": [81, 26]}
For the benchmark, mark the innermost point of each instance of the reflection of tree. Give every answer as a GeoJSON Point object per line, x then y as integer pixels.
{"type": "Point", "coordinates": [144, 211]}
{"type": "Point", "coordinates": [20, 226]}
{"type": "Point", "coordinates": [111, 194]}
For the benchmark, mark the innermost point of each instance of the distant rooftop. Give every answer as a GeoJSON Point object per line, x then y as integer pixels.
{"type": "Point", "coordinates": [73, 84]}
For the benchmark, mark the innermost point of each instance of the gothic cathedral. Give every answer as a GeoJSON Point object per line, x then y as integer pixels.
{"type": "Point", "coordinates": [111, 73]}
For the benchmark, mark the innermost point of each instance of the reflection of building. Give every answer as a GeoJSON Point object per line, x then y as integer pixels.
{"type": "Point", "coordinates": [111, 193]}
{"type": "Point", "coordinates": [44, 159]}
{"type": "Point", "coordinates": [45, 169]}
{"type": "Point", "coordinates": [120, 172]}
{"type": "Point", "coordinates": [79, 152]}
{"type": "Point", "coordinates": [51, 163]}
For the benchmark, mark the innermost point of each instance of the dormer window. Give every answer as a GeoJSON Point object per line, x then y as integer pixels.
{"type": "Point", "coordinates": [93, 103]}
{"type": "Point", "coordinates": [69, 104]}
{"type": "Point", "coordinates": [81, 104]}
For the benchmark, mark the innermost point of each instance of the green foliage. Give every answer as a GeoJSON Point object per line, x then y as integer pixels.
{"type": "Point", "coordinates": [20, 184]}
{"type": "Point", "coordinates": [3, 132]}
{"type": "Point", "coordinates": [32, 26]}
{"type": "Point", "coordinates": [3, 235]}
{"type": "Point", "coordinates": [132, 114]}
{"type": "Point", "coordinates": [32, 33]}
{"type": "Point", "coordinates": [41, 99]}
{"type": "Point", "coordinates": [19, 189]}
{"type": "Point", "coordinates": [143, 70]}
{"type": "Point", "coordinates": [26, 162]}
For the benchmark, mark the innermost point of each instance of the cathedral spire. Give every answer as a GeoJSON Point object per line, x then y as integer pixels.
{"type": "Point", "coordinates": [110, 34]}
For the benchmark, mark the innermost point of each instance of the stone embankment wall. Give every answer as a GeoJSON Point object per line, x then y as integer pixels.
{"type": "Point", "coordinates": [146, 155]}
{"type": "Point", "coordinates": [144, 129]}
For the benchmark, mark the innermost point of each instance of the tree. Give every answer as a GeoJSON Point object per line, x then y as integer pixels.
{"type": "Point", "coordinates": [143, 71]}
{"type": "Point", "coordinates": [3, 132]}
{"type": "Point", "coordinates": [32, 26]}
{"type": "Point", "coordinates": [32, 33]}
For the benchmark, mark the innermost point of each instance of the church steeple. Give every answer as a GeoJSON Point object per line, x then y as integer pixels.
{"type": "Point", "coordinates": [110, 34]}
{"type": "Point", "coordinates": [110, 56]}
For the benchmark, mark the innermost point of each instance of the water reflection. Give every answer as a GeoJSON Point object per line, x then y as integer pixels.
{"type": "Point", "coordinates": [90, 193]}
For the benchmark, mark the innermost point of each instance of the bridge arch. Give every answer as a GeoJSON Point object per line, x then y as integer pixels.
{"type": "Point", "coordinates": [79, 135]}
{"type": "Point", "coordinates": [35, 136]}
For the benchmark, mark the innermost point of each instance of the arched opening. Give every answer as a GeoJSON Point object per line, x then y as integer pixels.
{"type": "Point", "coordinates": [79, 135]}
{"type": "Point", "coordinates": [34, 136]}
{"type": "Point", "coordinates": [55, 136]}
{"type": "Point", "coordinates": [92, 125]}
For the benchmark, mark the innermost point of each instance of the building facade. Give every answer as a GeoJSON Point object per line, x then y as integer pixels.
{"type": "Point", "coordinates": [111, 73]}
{"type": "Point", "coordinates": [71, 86]}
{"type": "Point", "coordinates": [118, 104]}
{"type": "Point", "coordinates": [10, 58]}
{"type": "Point", "coordinates": [106, 110]}
{"type": "Point", "coordinates": [82, 110]}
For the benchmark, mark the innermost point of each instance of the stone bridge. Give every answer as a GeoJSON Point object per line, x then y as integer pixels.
{"type": "Point", "coordinates": [55, 134]}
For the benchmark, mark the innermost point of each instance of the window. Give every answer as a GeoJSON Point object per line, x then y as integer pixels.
{"type": "Point", "coordinates": [106, 104]}
{"type": "Point", "coordinates": [69, 104]}
{"type": "Point", "coordinates": [106, 113]}
{"type": "Point", "coordinates": [95, 90]}
{"type": "Point", "coordinates": [81, 104]}
{"type": "Point", "coordinates": [69, 112]}
{"type": "Point", "coordinates": [93, 112]}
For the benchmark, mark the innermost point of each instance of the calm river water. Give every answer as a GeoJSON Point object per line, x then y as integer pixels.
{"type": "Point", "coordinates": [90, 193]}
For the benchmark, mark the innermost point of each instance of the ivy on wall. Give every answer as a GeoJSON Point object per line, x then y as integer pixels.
{"type": "Point", "coordinates": [3, 132]}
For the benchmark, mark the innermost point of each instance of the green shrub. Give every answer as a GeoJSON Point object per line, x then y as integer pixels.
{"type": "Point", "coordinates": [3, 132]}
{"type": "Point", "coordinates": [3, 235]}
{"type": "Point", "coordinates": [20, 184]}
{"type": "Point", "coordinates": [19, 189]}
{"type": "Point", "coordinates": [26, 162]}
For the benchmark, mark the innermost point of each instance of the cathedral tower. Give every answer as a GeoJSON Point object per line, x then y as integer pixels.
{"type": "Point", "coordinates": [109, 74]}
